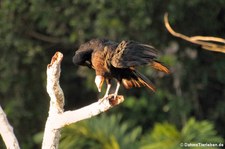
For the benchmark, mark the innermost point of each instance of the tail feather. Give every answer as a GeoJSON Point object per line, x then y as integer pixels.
{"type": "Point", "coordinates": [160, 67]}
{"type": "Point", "coordinates": [138, 81]}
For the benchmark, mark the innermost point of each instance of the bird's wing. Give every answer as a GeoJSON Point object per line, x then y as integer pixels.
{"type": "Point", "coordinates": [131, 54]}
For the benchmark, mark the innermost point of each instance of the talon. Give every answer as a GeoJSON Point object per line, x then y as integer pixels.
{"type": "Point", "coordinates": [114, 97]}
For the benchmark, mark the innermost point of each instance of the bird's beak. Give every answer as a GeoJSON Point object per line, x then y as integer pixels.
{"type": "Point", "coordinates": [99, 80]}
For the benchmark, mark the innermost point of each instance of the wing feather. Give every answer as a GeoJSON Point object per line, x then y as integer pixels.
{"type": "Point", "coordinates": [137, 80]}
{"type": "Point", "coordinates": [131, 54]}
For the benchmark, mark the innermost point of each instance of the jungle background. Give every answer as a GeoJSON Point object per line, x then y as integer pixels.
{"type": "Point", "coordinates": [189, 105]}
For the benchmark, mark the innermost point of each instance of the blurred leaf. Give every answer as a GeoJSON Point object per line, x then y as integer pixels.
{"type": "Point", "coordinates": [167, 136]}
{"type": "Point", "coordinates": [38, 137]}
{"type": "Point", "coordinates": [100, 132]}
{"type": "Point", "coordinates": [164, 136]}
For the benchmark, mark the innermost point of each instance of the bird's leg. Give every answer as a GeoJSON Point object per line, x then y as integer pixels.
{"type": "Point", "coordinates": [108, 82]}
{"type": "Point", "coordinates": [107, 90]}
{"type": "Point", "coordinates": [117, 89]}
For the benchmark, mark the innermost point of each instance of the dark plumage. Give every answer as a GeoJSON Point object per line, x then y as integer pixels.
{"type": "Point", "coordinates": [112, 60]}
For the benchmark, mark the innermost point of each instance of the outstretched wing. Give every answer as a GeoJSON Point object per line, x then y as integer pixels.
{"type": "Point", "coordinates": [131, 54]}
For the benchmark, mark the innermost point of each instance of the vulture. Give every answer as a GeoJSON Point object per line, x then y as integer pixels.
{"type": "Point", "coordinates": [112, 60]}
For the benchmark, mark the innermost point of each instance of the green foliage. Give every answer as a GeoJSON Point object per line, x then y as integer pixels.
{"type": "Point", "coordinates": [100, 132]}
{"type": "Point", "coordinates": [164, 136]}
{"type": "Point", "coordinates": [167, 136]}
{"type": "Point", "coordinates": [110, 132]}
{"type": "Point", "coordinates": [196, 132]}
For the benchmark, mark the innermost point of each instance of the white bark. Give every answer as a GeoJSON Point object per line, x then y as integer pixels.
{"type": "Point", "coordinates": [57, 118]}
{"type": "Point", "coordinates": [6, 132]}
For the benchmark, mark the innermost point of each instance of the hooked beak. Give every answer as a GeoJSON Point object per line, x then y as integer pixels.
{"type": "Point", "coordinates": [99, 80]}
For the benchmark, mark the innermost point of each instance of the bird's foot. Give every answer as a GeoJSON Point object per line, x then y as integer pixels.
{"type": "Point", "coordinates": [110, 97]}
{"type": "Point", "coordinates": [114, 96]}
{"type": "Point", "coordinates": [115, 99]}
{"type": "Point", "coordinates": [102, 99]}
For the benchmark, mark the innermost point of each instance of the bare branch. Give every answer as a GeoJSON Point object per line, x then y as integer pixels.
{"type": "Point", "coordinates": [57, 118]}
{"type": "Point", "coordinates": [207, 42]}
{"type": "Point", "coordinates": [53, 88]}
{"type": "Point", "coordinates": [6, 132]}
{"type": "Point", "coordinates": [208, 38]}
{"type": "Point", "coordinates": [43, 37]}
{"type": "Point", "coordinates": [86, 112]}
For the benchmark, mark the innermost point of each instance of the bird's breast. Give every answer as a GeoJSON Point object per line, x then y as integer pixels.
{"type": "Point", "coordinates": [99, 64]}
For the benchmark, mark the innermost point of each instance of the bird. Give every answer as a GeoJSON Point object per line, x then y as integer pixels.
{"type": "Point", "coordinates": [119, 61]}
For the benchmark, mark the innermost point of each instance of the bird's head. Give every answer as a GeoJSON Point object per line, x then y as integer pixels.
{"type": "Point", "coordinates": [99, 80]}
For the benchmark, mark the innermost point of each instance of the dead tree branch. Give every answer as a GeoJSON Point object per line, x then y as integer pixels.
{"type": "Point", "coordinates": [43, 37]}
{"type": "Point", "coordinates": [207, 42]}
{"type": "Point", "coordinates": [6, 132]}
{"type": "Point", "coordinates": [57, 118]}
